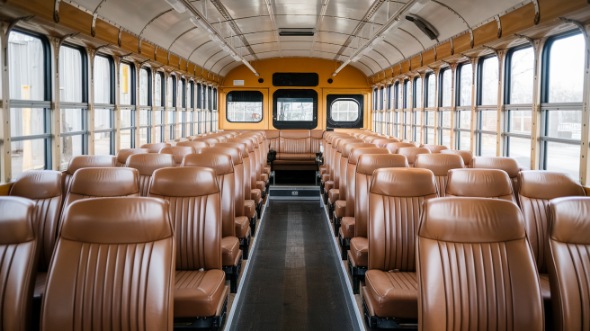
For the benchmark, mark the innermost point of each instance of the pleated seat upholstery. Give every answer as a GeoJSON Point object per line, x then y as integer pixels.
{"type": "Point", "coordinates": [395, 205]}
{"type": "Point", "coordinates": [476, 270]}
{"type": "Point", "coordinates": [113, 266]}
{"type": "Point", "coordinates": [195, 212]}
{"type": "Point", "coordinates": [568, 262]}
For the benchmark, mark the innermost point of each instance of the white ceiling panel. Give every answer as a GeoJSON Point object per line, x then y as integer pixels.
{"type": "Point", "coordinates": [247, 25]}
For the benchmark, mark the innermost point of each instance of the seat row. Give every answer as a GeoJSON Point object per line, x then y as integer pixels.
{"type": "Point", "coordinates": [95, 176]}
{"type": "Point", "coordinates": [532, 190]}
{"type": "Point", "coordinates": [456, 260]}
{"type": "Point", "coordinates": [105, 241]}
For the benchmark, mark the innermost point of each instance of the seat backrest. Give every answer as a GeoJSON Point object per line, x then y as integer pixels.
{"type": "Point", "coordinates": [338, 162]}
{"type": "Point", "coordinates": [294, 141]}
{"type": "Point", "coordinates": [435, 149]}
{"type": "Point", "coordinates": [248, 159]}
{"type": "Point", "coordinates": [395, 205]}
{"type": "Point", "coordinates": [238, 153]}
{"type": "Point", "coordinates": [315, 140]}
{"type": "Point", "coordinates": [382, 142]}
{"type": "Point", "coordinates": [537, 188]}
{"type": "Point", "coordinates": [178, 152]}
{"type": "Point", "coordinates": [195, 211]}
{"type": "Point", "coordinates": [90, 183]}
{"type": "Point", "coordinates": [395, 146]}
{"type": "Point", "coordinates": [224, 170]}
{"type": "Point", "coordinates": [507, 164]}
{"type": "Point", "coordinates": [123, 155]}
{"type": "Point", "coordinates": [44, 188]}
{"type": "Point", "coordinates": [366, 165]}
{"type": "Point", "coordinates": [567, 264]}
{"type": "Point", "coordinates": [272, 136]}
{"type": "Point", "coordinates": [146, 164]}
{"type": "Point", "coordinates": [480, 183]}
{"type": "Point", "coordinates": [113, 264]}
{"type": "Point", "coordinates": [198, 146]}
{"type": "Point", "coordinates": [155, 147]}
{"type": "Point", "coordinates": [439, 164]}
{"type": "Point", "coordinates": [347, 192]}
{"type": "Point", "coordinates": [85, 161]}
{"type": "Point", "coordinates": [475, 267]}
{"type": "Point", "coordinates": [466, 155]}
{"type": "Point", "coordinates": [411, 152]}
{"type": "Point", "coordinates": [18, 249]}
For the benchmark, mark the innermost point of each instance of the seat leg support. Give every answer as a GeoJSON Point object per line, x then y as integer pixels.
{"type": "Point", "coordinates": [232, 272]}
{"type": "Point", "coordinates": [344, 246]}
{"type": "Point", "coordinates": [199, 323]}
{"type": "Point", "coordinates": [253, 225]}
{"type": "Point", "coordinates": [391, 323]}
{"type": "Point", "coordinates": [245, 247]}
{"type": "Point", "coordinates": [357, 274]}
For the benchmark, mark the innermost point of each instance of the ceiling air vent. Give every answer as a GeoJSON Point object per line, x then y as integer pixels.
{"type": "Point", "coordinates": [300, 32]}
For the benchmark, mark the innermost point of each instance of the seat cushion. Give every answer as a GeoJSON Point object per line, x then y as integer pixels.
{"type": "Point", "coordinates": [340, 208]}
{"type": "Point", "coordinates": [242, 226]}
{"type": "Point", "coordinates": [392, 294]}
{"type": "Point", "coordinates": [328, 185]}
{"type": "Point", "coordinates": [359, 252]}
{"type": "Point", "coordinates": [333, 195]}
{"type": "Point", "coordinates": [266, 170]}
{"type": "Point", "coordinates": [230, 251]}
{"type": "Point", "coordinates": [249, 209]}
{"type": "Point", "coordinates": [198, 293]}
{"type": "Point", "coordinates": [256, 195]}
{"type": "Point", "coordinates": [325, 177]}
{"type": "Point", "coordinates": [545, 288]}
{"type": "Point", "coordinates": [347, 227]}
{"type": "Point", "coordinates": [260, 185]}
{"type": "Point", "coordinates": [264, 177]}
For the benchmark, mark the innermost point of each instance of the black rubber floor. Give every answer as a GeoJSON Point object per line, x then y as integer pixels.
{"type": "Point", "coordinates": [294, 283]}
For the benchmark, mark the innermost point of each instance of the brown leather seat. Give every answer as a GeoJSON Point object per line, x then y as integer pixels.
{"type": "Point", "coordinates": [195, 211]}
{"type": "Point", "coordinates": [146, 164]}
{"type": "Point", "coordinates": [479, 183]}
{"type": "Point", "coordinates": [197, 145]}
{"type": "Point", "coordinates": [435, 149]}
{"type": "Point", "coordinates": [476, 270]}
{"type": "Point", "coordinates": [354, 229]}
{"type": "Point", "coordinates": [439, 164]}
{"type": "Point", "coordinates": [113, 266]}
{"type": "Point", "coordinates": [568, 263]}
{"type": "Point", "coordinates": [123, 155]}
{"type": "Point", "coordinates": [44, 187]}
{"type": "Point", "coordinates": [85, 161]}
{"type": "Point", "coordinates": [110, 182]}
{"type": "Point", "coordinates": [178, 152]}
{"type": "Point", "coordinates": [18, 250]}
{"type": "Point", "coordinates": [395, 205]}
{"type": "Point", "coordinates": [537, 188]}
{"type": "Point", "coordinates": [346, 194]}
{"type": "Point", "coordinates": [508, 164]}
{"type": "Point", "coordinates": [155, 147]}
{"type": "Point", "coordinates": [411, 152]}
{"type": "Point", "coordinates": [382, 142]}
{"type": "Point", "coordinates": [250, 204]}
{"type": "Point", "coordinates": [395, 146]}
{"type": "Point", "coordinates": [466, 155]}
{"type": "Point", "coordinates": [231, 255]}
{"type": "Point", "coordinates": [339, 171]}
{"type": "Point", "coordinates": [353, 159]}
{"type": "Point", "coordinates": [255, 192]}
{"type": "Point", "coordinates": [245, 219]}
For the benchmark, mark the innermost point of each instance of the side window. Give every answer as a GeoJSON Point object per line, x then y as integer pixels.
{"type": "Point", "coordinates": [295, 109]}
{"type": "Point", "coordinates": [244, 106]}
{"type": "Point", "coordinates": [345, 111]}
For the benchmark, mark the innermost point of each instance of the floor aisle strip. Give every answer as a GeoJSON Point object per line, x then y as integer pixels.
{"type": "Point", "coordinates": [343, 270]}
{"type": "Point", "coordinates": [245, 269]}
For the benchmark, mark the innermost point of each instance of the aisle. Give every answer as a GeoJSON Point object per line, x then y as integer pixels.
{"type": "Point", "coordinates": [294, 283]}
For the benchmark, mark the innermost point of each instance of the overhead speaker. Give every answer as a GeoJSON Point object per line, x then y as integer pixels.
{"type": "Point", "coordinates": [424, 26]}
